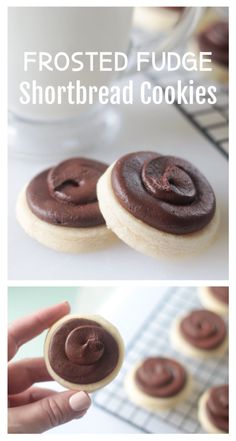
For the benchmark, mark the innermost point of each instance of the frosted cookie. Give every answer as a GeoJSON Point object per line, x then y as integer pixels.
{"type": "Point", "coordinates": [59, 207]}
{"type": "Point", "coordinates": [200, 334]}
{"type": "Point", "coordinates": [158, 205]}
{"type": "Point", "coordinates": [158, 383]}
{"type": "Point", "coordinates": [213, 409]}
{"type": "Point", "coordinates": [215, 298]}
{"type": "Point", "coordinates": [215, 38]}
{"type": "Point", "coordinates": [83, 352]}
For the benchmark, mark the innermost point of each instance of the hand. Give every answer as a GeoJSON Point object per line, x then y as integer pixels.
{"type": "Point", "coordinates": [33, 409]}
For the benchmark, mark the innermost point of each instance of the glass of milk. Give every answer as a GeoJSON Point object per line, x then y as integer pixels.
{"type": "Point", "coordinates": [55, 129]}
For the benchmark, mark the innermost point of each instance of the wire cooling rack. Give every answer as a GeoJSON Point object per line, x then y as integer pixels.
{"type": "Point", "coordinates": [210, 119]}
{"type": "Point", "coordinates": [152, 338]}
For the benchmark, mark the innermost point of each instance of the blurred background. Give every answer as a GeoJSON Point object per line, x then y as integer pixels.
{"type": "Point", "coordinates": [23, 301]}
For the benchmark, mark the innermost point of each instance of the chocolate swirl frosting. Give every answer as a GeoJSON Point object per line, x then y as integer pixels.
{"type": "Point", "coordinates": [66, 194]}
{"type": "Point", "coordinates": [221, 293]}
{"type": "Point", "coordinates": [160, 377]}
{"type": "Point", "coordinates": [82, 351]}
{"type": "Point", "coordinates": [215, 39]}
{"type": "Point", "coordinates": [165, 192]}
{"type": "Point", "coordinates": [203, 329]}
{"type": "Point", "coordinates": [217, 407]}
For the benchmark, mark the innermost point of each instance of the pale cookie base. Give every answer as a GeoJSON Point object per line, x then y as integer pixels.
{"type": "Point", "coordinates": [203, 417]}
{"type": "Point", "coordinates": [212, 303]}
{"type": "Point", "coordinates": [182, 345]}
{"type": "Point", "coordinates": [92, 386]}
{"type": "Point", "coordinates": [153, 404]}
{"type": "Point", "coordinates": [59, 238]}
{"type": "Point", "coordinates": [141, 236]}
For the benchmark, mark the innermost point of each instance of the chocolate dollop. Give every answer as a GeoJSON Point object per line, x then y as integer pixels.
{"type": "Point", "coordinates": [217, 407]}
{"type": "Point", "coordinates": [165, 192]}
{"type": "Point", "coordinates": [203, 329]}
{"type": "Point", "coordinates": [215, 39]}
{"type": "Point", "coordinates": [160, 377]}
{"type": "Point", "coordinates": [82, 351]}
{"type": "Point", "coordinates": [66, 194]}
{"type": "Point", "coordinates": [221, 293]}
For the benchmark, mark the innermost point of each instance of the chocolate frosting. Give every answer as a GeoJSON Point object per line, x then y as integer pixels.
{"type": "Point", "coordinates": [203, 329]}
{"type": "Point", "coordinates": [160, 377]}
{"type": "Point", "coordinates": [82, 351]}
{"type": "Point", "coordinates": [66, 194]}
{"type": "Point", "coordinates": [215, 39]}
{"type": "Point", "coordinates": [217, 407]}
{"type": "Point", "coordinates": [221, 293]}
{"type": "Point", "coordinates": [165, 192]}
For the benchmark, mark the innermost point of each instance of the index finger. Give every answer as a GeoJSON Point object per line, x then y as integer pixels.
{"type": "Point", "coordinates": [26, 328]}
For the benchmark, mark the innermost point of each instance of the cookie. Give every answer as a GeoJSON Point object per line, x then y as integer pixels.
{"type": "Point", "coordinates": [158, 383]}
{"type": "Point", "coordinates": [59, 207]}
{"type": "Point", "coordinates": [159, 205]}
{"type": "Point", "coordinates": [215, 298]}
{"type": "Point", "coordinates": [200, 334]}
{"type": "Point", "coordinates": [213, 409]}
{"type": "Point", "coordinates": [83, 352]}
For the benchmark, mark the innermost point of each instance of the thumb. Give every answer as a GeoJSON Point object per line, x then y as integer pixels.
{"type": "Point", "coordinates": [47, 413]}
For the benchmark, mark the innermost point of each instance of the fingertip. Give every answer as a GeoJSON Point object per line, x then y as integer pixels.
{"type": "Point", "coordinates": [63, 307]}
{"type": "Point", "coordinates": [80, 401]}
{"type": "Point", "coordinates": [81, 414]}
{"type": "Point", "coordinates": [66, 305]}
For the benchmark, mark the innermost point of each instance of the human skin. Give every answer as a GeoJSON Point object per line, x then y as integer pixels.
{"type": "Point", "coordinates": [33, 409]}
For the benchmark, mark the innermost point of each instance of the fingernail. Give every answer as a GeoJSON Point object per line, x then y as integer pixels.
{"type": "Point", "coordinates": [79, 401]}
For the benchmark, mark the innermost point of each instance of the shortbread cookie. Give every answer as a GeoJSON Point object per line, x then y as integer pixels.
{"type": "Point", "coordinates": [158, 383]}
{"type": "Point", "coordinates": [59, 207]}
{"type": "Point", "coordinates": [159, 205]}
{"type": "Point", "coordinates": [83, 352]}
{"type": "Point", "coordinates": [215, 298]}
{"type": "Point", "coordinates": [200, 334]}
{"type": "Point", "coordinates": [213, 409]}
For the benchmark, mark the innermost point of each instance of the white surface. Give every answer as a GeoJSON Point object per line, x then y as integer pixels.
{"type": "Point", "coordinates": [160, 128]}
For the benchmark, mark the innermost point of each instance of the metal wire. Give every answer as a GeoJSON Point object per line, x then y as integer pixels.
{"type": "Point", "coordinates": [152, 338]}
